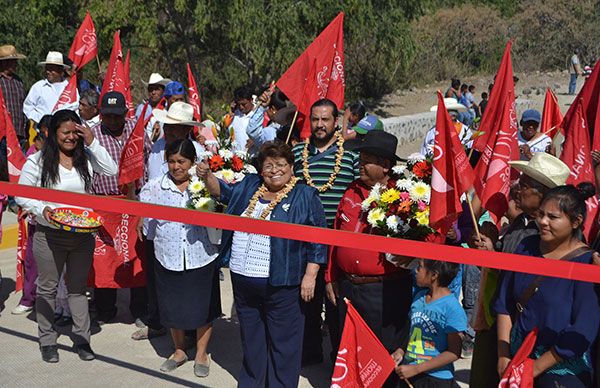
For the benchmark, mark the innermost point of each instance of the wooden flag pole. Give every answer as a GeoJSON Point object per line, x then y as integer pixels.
{"type": "Point", "coordinates": [98, 62]}
{"type": "Point", "coordinates": [475, 224]}
{"type": "Point", "coordinates": [287, 140]}
{"type": "Point", "coordinates": [408, 383]}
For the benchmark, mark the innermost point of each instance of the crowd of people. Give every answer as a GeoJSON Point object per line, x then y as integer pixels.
{"type": "Point", "coordinates": [283, 288]}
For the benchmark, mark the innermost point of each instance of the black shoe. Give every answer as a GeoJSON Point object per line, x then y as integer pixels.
{"type": "Point", "coordinates": [49, 353]}
{"type": "Point", "coordinates": [104, 318]}
{"type": "Point", "coordinates": [85, 352]}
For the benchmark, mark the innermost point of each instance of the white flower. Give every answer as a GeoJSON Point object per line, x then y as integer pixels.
{"type": "Point", "coordinates": [415, 157]}
{"type": "Point", "coordinates": [404, 184]}
{"type": "Point", "coordinates": [211, 143]}
{"type": "Point", "coordinates": [196, 186]}
{"type": "Point", "coordinates": [374, 216]}
{"type": "Point", "coordinates": [250, 169]}
{"type": "Point", "coordinates": [226, 154]}
{"type": "Point", "coordinates": [366, 204]}
{"type": "Point", "coordinates": [376, 191]}
{"type": "Point", "coordinates": [205, 204]}
{"type": "Point", "coordinates": [392, 223]}
{"type": "Point", "coordinates": [226, 174]}
{"type": "Point", "coordinates": [241, 154]}
{"type": "Point", "coordinates": [238, 177]}
{"type": "Point", "coordinates": [420, 192]}
{"type": "Point", "coordinates": [398, 170]}
{"type": "Point", "coordinates": [409, 175]}
{"type": "Point", "coordinates": [205, 155]}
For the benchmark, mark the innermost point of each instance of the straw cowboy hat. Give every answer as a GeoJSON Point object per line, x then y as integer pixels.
{"type": "Point", "coordinates": [156, 79]}
{"type": "Point", "coordinates": [451, 104]}
{"type": "Point", "coordinates": [54, 58]}
{"type": "Point", "coordinates": [179, 113]}
{"type": "Point", "coordinates": [544, 168]}
{"type": "Point", "coordinates": [10, 52]}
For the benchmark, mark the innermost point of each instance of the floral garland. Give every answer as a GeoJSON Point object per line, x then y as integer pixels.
{"type": "Point", "coordinates": [261, 192]}
{"type": "Point", "coordinates": [336, 169]}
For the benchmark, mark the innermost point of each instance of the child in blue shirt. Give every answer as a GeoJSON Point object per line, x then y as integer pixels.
{"type": "Point", "coordinates": [437, 320]}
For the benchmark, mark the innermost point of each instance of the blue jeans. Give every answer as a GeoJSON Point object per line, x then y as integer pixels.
{"type": "Point", "coordinates": [573, 84]}
{"type": "Point", "coordinates": [471, 279]}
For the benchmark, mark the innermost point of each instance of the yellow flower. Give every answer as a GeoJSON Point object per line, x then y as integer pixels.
{"type": "Point", "coordinates": [422, 217]}
{"type": "Point", "coordinates": [375, 215]}
{"type": "Point", "coordinates": [390, 196]}
{"type": "Point", "coordinates": [196, 186]}
{"type": "Point", "coordinates": [205, 204]}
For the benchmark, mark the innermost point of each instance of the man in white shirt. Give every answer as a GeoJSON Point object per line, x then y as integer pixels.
{"type": "Point", "coordinates": [242, 113]}
{"type": "Point", "coordinates": [44, 94]}
{"type": "Point", "coordinates": [530, 140]}
{"type": "Point", "coordinates": [156, 88]}
{"type": "Point", "coordinates": [464, 132]}
{"type": "Point", "coordinates": [88, 107]}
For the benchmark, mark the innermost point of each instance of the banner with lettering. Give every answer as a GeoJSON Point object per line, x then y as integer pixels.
{"type": "Point", "coordinates": [118, 253]}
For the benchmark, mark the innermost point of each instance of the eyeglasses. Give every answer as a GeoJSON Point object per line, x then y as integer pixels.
{"type": "Point", "coordinates": [277, 166]}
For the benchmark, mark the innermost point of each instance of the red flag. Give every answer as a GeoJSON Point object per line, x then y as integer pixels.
{"type": "Point", "coordinates": [519, 372]}
{"type": "Point", "coordinates": [115, 72]}
{"type": "Point", "coordinates": [328, 50]}
{"type": "Point", "coordinates": [590, 97]}
{"type": "Point", "coordinates": [452, 174]}
{"type": "Point", "coordinates": [127, 81]}
{"type": "Point", "coordinates": [84, 47]}
{"type": "Point", "coordinates": [309, 96]}
{"type": "Point", "coordinates": [551, 116]}
{"type": "Point", "coordinates": [498, 144]}
{"type": "Point", "coordinates": [131, 166]}
{"type": "Point", "coordinates": [362, 361]}
{"type": "Point", "coordinates": [68, 95]}
{"type": "Point", "coordinates": [193, 95]}
{"type": "Point", "coordinates": [14, 154]}
{"type": "Point", "coordinates": [21, 248]}
{"type": "Point", "coordinates": [576, 154]}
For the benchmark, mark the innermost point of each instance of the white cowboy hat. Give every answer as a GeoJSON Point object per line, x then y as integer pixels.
{"type": "Point", "coordinates": [544, 168]}
{"type": "Point", "coordinates": [53, 58]}
{"type": "Point", "coordinates": [179, 113]}
{"type": "Point", "coordinates": [157, 79]}
{"type": "Point", "coordinates": [451, 104]}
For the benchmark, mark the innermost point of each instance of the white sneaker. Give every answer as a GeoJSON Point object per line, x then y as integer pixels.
{"type": "Point", "coordinates": [20, 309]}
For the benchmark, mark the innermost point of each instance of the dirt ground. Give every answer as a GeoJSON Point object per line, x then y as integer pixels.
{"type": "Point", "coordinates": [530, 86]}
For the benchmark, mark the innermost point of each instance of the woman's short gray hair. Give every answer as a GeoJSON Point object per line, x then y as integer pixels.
{"type": "Point", "coordinates": [91, 96]}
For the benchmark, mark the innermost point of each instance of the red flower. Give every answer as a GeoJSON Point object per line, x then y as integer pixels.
{"type": "Point", "coordinates": [216, 162]}
{"type": "Point", "coordinates": [237, 164]}
{"type": "Point", "coordinates": [422, 169]}
{"type": "Point", "coordinates": [391, 184]}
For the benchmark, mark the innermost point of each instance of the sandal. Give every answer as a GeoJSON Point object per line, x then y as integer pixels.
{"type": "Point", "coordinates": [147, 333]}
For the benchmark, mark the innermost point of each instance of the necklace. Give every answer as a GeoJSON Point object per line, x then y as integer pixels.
{"type": "Point", "coordinates": [336, 169]}
{"type": "Point", "coordinates": [261, 192]}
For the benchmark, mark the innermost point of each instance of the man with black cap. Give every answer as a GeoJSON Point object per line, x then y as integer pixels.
{"type": "Point", "coordinates": [112, 132]}
{"type": "Point", "coordinates": [380, 291]}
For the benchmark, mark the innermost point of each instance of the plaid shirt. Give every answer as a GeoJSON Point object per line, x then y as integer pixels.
{"type": "Point", "coordinates": [108, 185]}
{"type": "Point", "coordinates": [14, 95]}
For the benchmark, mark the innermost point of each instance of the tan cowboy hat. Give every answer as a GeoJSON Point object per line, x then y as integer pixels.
{"type": "Point", "coordinates": [544, 168]}
{"type": "Point", "coordinates": [179, 113]}
{"type": "Point", "coordinates": [53, 58]}
{"type": "Point", "coordinates": [451, 104]}
{"type": "Point", "coordinates": [10, 52]}
{"type": "Point", "coordinates": [156, 79]}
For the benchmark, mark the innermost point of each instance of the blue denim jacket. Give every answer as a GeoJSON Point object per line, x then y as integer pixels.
{"type": "Point", "coordinates": [288, 257]}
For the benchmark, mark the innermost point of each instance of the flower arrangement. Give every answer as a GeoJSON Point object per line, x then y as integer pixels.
{"type": "Point", "coordinates": [200, 198]}
{"type": "Point", "coordinates": [401, 208]}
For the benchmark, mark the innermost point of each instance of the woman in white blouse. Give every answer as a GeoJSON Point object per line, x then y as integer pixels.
{"type": "Point", "coordinates": [67, 161]}
{"type": "Point", "coordinates": [187, 282]}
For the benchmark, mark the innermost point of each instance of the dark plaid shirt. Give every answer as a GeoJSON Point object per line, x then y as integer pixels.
{"type": "Point", "coordinates": [108, 185]}
{"type": "Point", "coordinates": [14, 95]}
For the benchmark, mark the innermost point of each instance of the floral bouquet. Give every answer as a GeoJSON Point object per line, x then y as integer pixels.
{"type": "Point", "coordinates": [401, 208]}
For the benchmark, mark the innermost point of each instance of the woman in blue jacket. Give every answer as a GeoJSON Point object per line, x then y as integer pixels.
{"type": "Point", "coordinates": [270, 275]}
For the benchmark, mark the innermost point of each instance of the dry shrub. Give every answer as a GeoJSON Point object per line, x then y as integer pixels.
{"type": "Point", "coordinates": [456, 41]}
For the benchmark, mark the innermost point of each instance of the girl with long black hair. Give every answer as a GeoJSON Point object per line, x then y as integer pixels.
{"type": "Point", "coordinates": [67, 161]}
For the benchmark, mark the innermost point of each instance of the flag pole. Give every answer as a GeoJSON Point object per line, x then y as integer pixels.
{"type": "Point", "coordinates": [287, 140]}
{"type": "Point", "coordinates": [408, 383]}
{"type": "Point", "coordinates": [98, 62]}
{"type": "Point", "coordinates": [473, 218]}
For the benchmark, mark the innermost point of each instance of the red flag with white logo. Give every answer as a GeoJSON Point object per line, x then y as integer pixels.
{"type": "Point", "coordinates": [131, 166]}
{"type": "Point", "coordinates": [68, 96]}
{"type": "Point", "coordinates": [193, 95]}
{"type": "Point", "coordinates": [114, 79]}
{"type": "Point", "coordinates": [127, 81]}
{"type": "Point", "coordinates": [498, 144]}
{"type": "Point", "coordinates": [551, 116]}
{"type": "Point", "coordinates": [84, 47]}
{"type": "Point", "coordinates": [362, 361]}
{"type": "Point", "coordinates": [328, 50]}
{"type": "Point", "coordinates": [14, 154]}
{"type": "Point", "coordinates": [519, 373]}
{"type": "Point", "coordinates": [309, 96]}
{"type": "Point", "coordinates": [576, 154]}
{"type": "Point", "coordinates": [452, 174]}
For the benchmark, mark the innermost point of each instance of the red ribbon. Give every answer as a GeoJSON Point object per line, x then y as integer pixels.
{"type": "Point", "coordinates": [504, 261]}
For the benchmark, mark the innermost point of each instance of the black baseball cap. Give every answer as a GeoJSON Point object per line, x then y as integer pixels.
{"type": "Point", "coordinates": [113, 103]}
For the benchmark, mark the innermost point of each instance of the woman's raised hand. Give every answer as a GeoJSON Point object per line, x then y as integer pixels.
{"type": "Point", "coordinates": [84, 132]}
